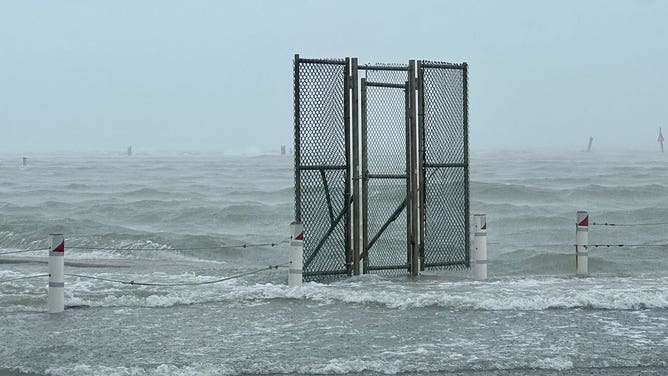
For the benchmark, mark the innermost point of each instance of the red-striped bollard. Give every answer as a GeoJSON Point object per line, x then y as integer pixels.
{"type": "Point", "coordinates": [581, 243]}
{"type": "Point", "coordinates": [56, 300]}
{"type": "Point", "coordinates": [480, 247]}
{"type": "Point", "coordinates": [296, 254]}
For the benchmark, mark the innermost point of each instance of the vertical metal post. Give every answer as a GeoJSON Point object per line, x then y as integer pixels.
{"type": "Point", "coordinates": [56, 292]}
{"type": "Point", "coordinates": [298, 211]}
{"type": "Point", "coordinates": [295, 272]}
{"type": "Point", "coordinates": [421, 161]}
{"type": "Point", "coordinates": [467, 204]}
{"type": "Point", "coordinates": [409, 174]}
{"type": "Point", "coordinates": [480, 247]}
{"type": "Point", "coordinates": [365, 184]}
{"type": "Point", "coordinates": [413, 170]}
{"type": "Point", "coordinates": [356, 166]}
{"type": "Point", "coordinates": [581, 243]}
{"type": "Point", "coordinates": [346, 125]}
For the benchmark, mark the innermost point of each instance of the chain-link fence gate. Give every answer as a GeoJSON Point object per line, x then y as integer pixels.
{"type": "Point", "coordinates": [444, 175]}
{"type": "Point", "coordinates": [386, 190]}
{"type": "Point", "coordinates": [414, 175]}
{"type": "Point", "coordinates": [322, 165]}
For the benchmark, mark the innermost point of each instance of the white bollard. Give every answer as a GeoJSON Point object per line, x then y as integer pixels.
{"type": "Point", "coordinates": [581, 243]}
{"type": "Point", "coordinates": [296, 254]}
{"type": "Point", "coordinates": [480, 247]}
{"type": "Point", "coordinates": [56, 300]}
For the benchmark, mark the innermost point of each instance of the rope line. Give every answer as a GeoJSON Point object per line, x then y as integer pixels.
{"type": "Point", "coordinates": [84, 247]}
{"type": "Point", "coordinates": [629, 224]}
{"type": "Point", "coordinates": [245, 245]}
{"type": "Point", "coordinates": [590, 245]}
{"type": "Point", "coordinates": [628, 245]}
{"type": "Point", "coordinates": [179, 284]}
{"type": "Point", "coordinates": [21, 278]}
{"type": "Point", "coordinates": [24, 250]}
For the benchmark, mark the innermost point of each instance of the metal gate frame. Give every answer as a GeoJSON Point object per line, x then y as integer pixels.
{"type": "Point", "coordinates": [319, 160]}
{"type": "Point", "coordinates": [324, 198]}
{"type": "Point", "coordinates": [444, 119]}
{"type": "Point", "coordinates": [384, 172]}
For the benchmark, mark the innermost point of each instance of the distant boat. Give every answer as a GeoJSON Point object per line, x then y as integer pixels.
{"type": "Point", "coordinates": [660, 139]}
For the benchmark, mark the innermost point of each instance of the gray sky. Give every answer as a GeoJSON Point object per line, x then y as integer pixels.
{"type": "Point", "coordinates": [217, 75]}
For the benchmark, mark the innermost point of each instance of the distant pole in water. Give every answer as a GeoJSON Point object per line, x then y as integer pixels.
{"type": "Point", "coordinates": [591, 139]}
{"type": "Point", "coordinates": [282, 149]}
{"type": "Point", "coordinates": [130, 151]}
{"type": "Point", "coordinates": [56, 294]}
{"type": "Point", "coordinates": [25, 161]}
{"type": "Point", "coordinates": [660, 139]}
{"type": "Point", "coordinates": [582, 243]}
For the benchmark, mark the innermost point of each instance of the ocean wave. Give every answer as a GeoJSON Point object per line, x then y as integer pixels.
{"type": "Point", "coordinates": [522, 295]}
{"type": "Point", "coordinates": [361, 365]}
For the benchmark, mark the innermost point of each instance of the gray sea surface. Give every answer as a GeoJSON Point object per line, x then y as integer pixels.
{"type": "Point", "coordinates": [176, 218]}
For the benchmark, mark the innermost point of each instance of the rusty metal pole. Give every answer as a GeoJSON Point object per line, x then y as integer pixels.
{"type": "Point", "coordinates": [415, 267]}
{"type": "Point", "coordinates": [365, 184]}
{"type": "Point", "coordinates": [421, 161]}
{"type": "Point", "coordinates": [298, 212]}
{"type": "Point", "coordinates": [356, 166]}
{"type": "Point", "coordinates": [348, 193]}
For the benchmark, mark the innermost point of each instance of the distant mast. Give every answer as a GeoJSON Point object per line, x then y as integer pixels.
{"type": "Point", "coordinates": [591, 139]}
{"type": "Point", "coordinates": [130, 151]}
{"type": "Point", "coordinates": [660, 139]}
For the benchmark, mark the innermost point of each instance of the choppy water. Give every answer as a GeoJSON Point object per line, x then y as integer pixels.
{"type": "Point", "coordinates": [533, 317]}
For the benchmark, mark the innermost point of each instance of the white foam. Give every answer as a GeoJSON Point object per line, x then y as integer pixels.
{"type": "Point", "coordinates": [161, 370]}
{"type": "Point", "coordinates": [559, 363]}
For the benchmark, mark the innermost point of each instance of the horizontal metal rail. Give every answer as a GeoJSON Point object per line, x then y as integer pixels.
{"type": "Point", "coordinates": [388, 267]}
{"type": "Point", "coordinates": [443, 65]}
{"type": "Point", "coordinates": [386, 85]}
{"type": "Point", "coordinates": [322, 61]}
{"type": "Point", "coordinates": [443, 165]}
{"type": "Point", "coordinates": [383, 67]}
{"type": "Point", "coordinates": [316, 168]}
{"type": "Point", "coordinates": [386, 176]}
{"type": "Point", "coordinates": [451, 263]}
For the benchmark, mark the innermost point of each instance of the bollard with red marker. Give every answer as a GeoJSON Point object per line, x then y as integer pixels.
{"type": "Point", "coordinates": [480, 247]}
{"type": "Point", "coordinates": [296, 254]}
{"type": "Point", "coordinates": [56, 295]}
{"type": "Point", "coordinates": [581, 243]}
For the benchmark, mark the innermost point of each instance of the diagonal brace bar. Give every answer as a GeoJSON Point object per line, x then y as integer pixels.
{"type": "Point", "coordinates": [325, 237]}
{"type": "Point", "coordinates": [327, 195]}
{"type": "Point", "coordinates": [392, 218]}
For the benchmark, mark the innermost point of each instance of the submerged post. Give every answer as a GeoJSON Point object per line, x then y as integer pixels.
{"type": "Point", "coordinates": [581, 243]}
{"type": "Point", "coordinates": [296, 254]}
{"type": "Point", "coordinates": [56, 295]}
{"type": "Point", "coordinates": [480, 247]}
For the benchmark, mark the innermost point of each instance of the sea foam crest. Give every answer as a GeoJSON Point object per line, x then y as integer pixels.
{"type": "Point", "coordinates": [526, 295]}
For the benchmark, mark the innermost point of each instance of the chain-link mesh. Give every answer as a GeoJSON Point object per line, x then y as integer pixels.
{"type": "Point", "coordinates": [445, 166]}
{"type": "Point", "coordinates": [387, 174]}
{"type": "Point", "coordinates": [323, 184]}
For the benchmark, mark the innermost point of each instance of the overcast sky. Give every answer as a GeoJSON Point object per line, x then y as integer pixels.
{"type": "Point", "coordinates": [217, 75]}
